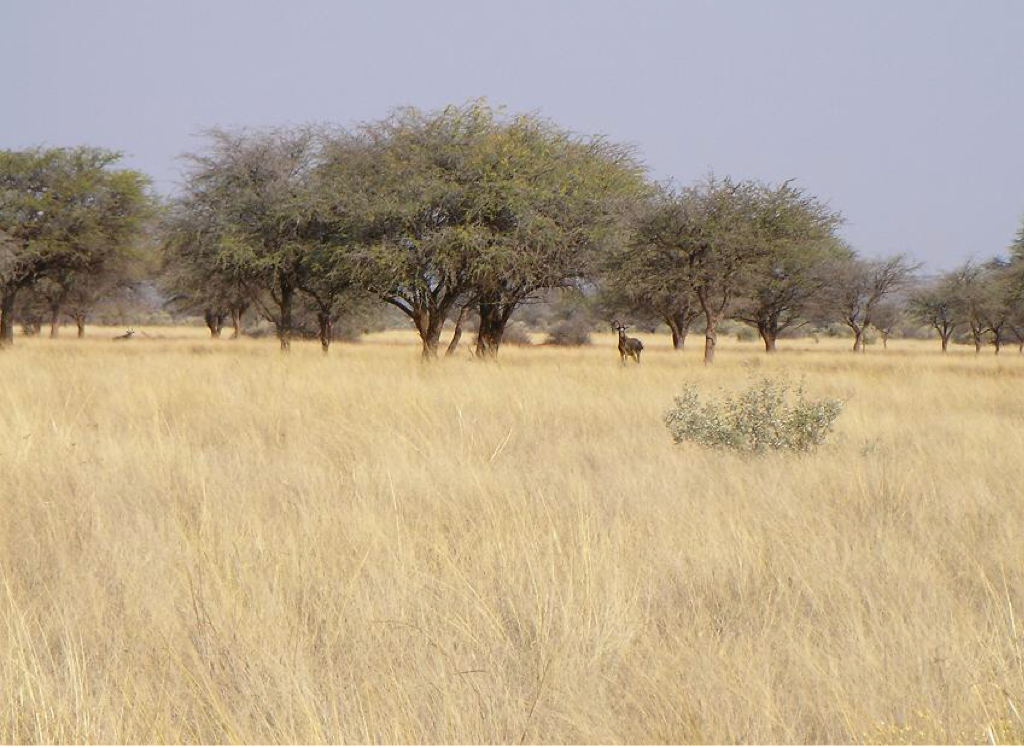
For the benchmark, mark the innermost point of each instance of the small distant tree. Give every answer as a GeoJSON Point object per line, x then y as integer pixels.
{"type": "Point", "coordinates": [856, 288]}
{"type": "Point", "coordinates": [967, 289]}
{"type": "Point", "coordinates": [1000, 302]}
{"type": "Point", "coordinates": [1015, 326]}
{"type": "Point", "coordinates": [935, 305]}
{"type": "Point", "coordinates": [346, 189]}
{"type": "Point", "coordinates": [887, 316]}
{"type": "Point", "coordinates": [1015, 287]}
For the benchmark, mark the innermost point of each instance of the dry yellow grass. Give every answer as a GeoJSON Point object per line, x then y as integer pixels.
{"type": "Point", "coordinates": [208, 541]}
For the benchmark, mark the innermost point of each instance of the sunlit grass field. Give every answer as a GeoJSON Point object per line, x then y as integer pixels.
{"type": "Point", "coordinates": [208, 541]}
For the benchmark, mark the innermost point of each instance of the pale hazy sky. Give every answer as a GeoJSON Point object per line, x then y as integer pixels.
{"type": "Point", "coordinates": [907, 116]}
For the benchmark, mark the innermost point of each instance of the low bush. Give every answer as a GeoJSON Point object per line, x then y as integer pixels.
{"type": "Point", "coordinates": [766, 416]}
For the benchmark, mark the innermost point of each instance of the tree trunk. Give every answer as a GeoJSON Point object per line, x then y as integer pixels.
{"type": "Point", "coordinates": [678, 338]}
{"type": "Point", "coordinates": [80, 323]}
{"type": "Point", "coordinates": [493, 318]}
{"type": "Point", "coordinates": [326, 328]}
{"type": "Point", "coordinates": [214, 321]}
{"type": "Point", "coordinates": [284, 328]}
{"type": "Point", "coordinates": [677, 324]}
{"type": "Point", "coordinates": [768, 335]}
{"type": "Point", "coordinates": [885, 341]}
{"type": "Point", "coordinates": [55, 312]}
{"type": "Point", "coordinates": [237, 313]}
{"type": "Point", "coordinates": [710, 338]}
{"type": "Point", "coordinates": [7, 317]}
{"type": "Point", "coordinates": [431, 340]}
{"type": "Point", "coordinates": [997, 343]}
{"type": "Point", "coordinates": [858, 339]}
{"type": "Point", "coordinates": [945, 342]}
{"type": "Point", "coordinates": [428, 324]}
{"type": "Point", "coordinates": [456, 334]}
{"type": "Point", "coordinates": [711, 319]}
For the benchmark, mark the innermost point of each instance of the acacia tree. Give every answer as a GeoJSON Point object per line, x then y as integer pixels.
{"type": "Point", "coordinates": [1015, 324]}
{"type": "Point", "coordinates": [856, 287]}
{"type": "Point", "coordinates": [467, 207]}
{"type": "Point", "coordinates": [28, 207]}
{"type": "Point", "coordinates": [666, 300]}
{"type": "Point", "coordinates": [1017, 247]}
{"type": "Point", "coordinates": [98, 235]}
{"type": "Point", "coordinates": [706, 234]}
{"type": "Point", "coordinates": [547, 203]}
{"type": "Point", "coordinates": [66, 213]}
{"type": "Point", "coordinates": [794, 234]}
{"type": "Point", "coordinates": [252, 189]}
{"type": "Point", "coordinates": [407, 187]}
{"type": "Point", "coordinates": [1000, 301]}
{"type": "Point", "coordinates": [886, 317]}
{"type": "Point", "coordinates": [76, 298]}
{"type": "Point", "coordinates": [935, 305]}
{"type": "Point", "coordinates": [646, 279]}
{"type": "Point", "coordinates": [9, 261]}
{"type": "Point", "coordinates": [348, 189]}
{"type": "Point", "coordinates": [969, 297]}
{"type": "Point", "coordinates": [331, 287]}
{"type": "Point", "coordinates": [201, 274]}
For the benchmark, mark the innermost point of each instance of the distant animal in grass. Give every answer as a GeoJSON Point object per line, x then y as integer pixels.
{"type": "Point", "coordinates": [127, 336]}
{"type": "Point", "coordinates": [628, 347]}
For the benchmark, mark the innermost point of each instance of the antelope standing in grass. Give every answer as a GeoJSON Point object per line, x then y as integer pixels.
{"type": "Point", "coordinates": [631, 347]}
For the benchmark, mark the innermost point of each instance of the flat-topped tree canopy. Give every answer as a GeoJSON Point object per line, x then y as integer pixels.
{"type": "Point", "coordinates": [469, 205]}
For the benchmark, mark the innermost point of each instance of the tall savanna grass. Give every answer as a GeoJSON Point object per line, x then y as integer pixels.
{"type": "Point", "coordinates": [208, 541]}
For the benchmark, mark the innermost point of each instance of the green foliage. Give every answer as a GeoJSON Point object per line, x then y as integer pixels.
{"type": "Point", "coordinates": [724, 248]}
{"type": "Point", "coordinates": [766, 416]}
{"type": "Point", "coordinates": [69, 225]}
{"type": "Point", "coordinates": [469, 203]}
{"type": "Point", "coordinates": [66, 210]}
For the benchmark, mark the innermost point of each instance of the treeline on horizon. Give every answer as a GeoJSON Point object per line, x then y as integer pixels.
{"type": "Point", "coordinates": [465, 215]}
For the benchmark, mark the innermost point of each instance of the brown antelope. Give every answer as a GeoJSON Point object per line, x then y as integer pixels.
{"type": "Point", "coordinates": [631, 347]}
{"type": "Point", "coordinates": [127, 336]}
